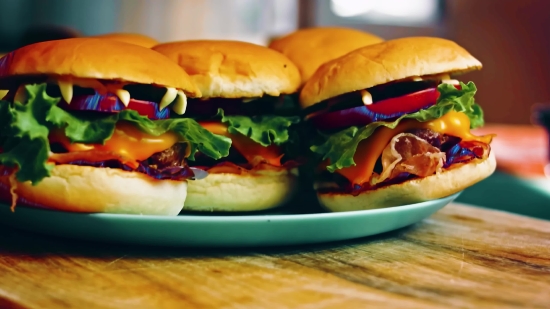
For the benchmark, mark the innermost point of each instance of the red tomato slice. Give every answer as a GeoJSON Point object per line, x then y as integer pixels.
{"type": "Point", "coordinates": [385, 110]}
{"type": "Point", "coordinates": [111, 104]}
{"type": "Point", "coordinates": [409, 103]}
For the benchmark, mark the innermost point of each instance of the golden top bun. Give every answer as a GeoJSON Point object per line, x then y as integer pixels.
{"type": "Point", "coordinates": [89, 189]}
{"type": "Point", "coordinates": [233, 69]}
{"type": "Point", "coordinates": [386, 62]}
{"type": "Point", "coordinates": [97, 58]}
{"type": "Point", "coordinates": [417, 190]}
{"type": "Point", "coordinates": [311, 47]}
{"type": "Point", "coordinates": [233, 192]}
{"type": "Point", "coordinates": [132, 38]}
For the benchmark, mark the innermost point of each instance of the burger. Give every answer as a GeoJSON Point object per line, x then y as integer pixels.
{"type": "Point", "coordinates": [394, 127]}
{"type": "Point", "coordinates": [87, 126]}
{"type": "Point", "coordinates": [309, 48]}
{"type": "Point", "coordinates": [243, 88]}
{"type": "Point", "coordinates": [132, 38]}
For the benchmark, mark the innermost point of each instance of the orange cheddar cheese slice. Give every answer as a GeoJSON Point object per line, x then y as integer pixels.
{"type": "Point", "coordinates": [127, 141]}
{"type": "Point", "coordinates": [251, 150]}
{"type": "Point", "coordinates": [369, 150]}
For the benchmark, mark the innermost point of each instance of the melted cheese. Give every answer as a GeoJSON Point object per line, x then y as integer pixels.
{"type": "Point", "coordinates": [66, 89]}
{"type": "Point", "coordinates": [123, 96]}
{"type": "Point", "coordinates": [181, 103]}
{"type": "Point", "coordinates": [450, 81]}
{"type": "Point", "coordinates": [366, 97]}
{"type": "Point", "coordinates": [66, 84]}
{"type": "Point", "coordinates": [245, 146]}
{"type": "Point", "coordinates": [444, 76]}
{"type": "Point", "coordinates": [169, 97]}
{"type": "Point", "coordinates": [369, 150]}
{"type": "Point", "coordinates": [127, 141]}
{"type": "Point", "coordinates": [20, 95]}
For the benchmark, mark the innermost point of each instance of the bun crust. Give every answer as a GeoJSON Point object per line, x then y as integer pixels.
{"type": "Point", "coordinates": [89, 189]}
{"type": "Point", "coordinates": [97, 58]}
{"type": "Point", "coordinates": [232, 192]}
{"type": "Point", "coordinates": [413, 191]}
{"type": "Point", "coordinates": [311, 47]}
{"type": "Point", "coordinates": [386, 62]}
{"type": "Point", "coordinates": [233, 69]}
{"type": "Point", "coordinates": [132, 38]}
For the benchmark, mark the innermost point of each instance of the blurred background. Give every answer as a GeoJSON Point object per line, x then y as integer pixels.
{"type": "Point", "coordinates": [511, 38]}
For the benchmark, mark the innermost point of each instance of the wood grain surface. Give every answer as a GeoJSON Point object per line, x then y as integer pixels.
{"type": "Point", "coordinates": [463, 257]}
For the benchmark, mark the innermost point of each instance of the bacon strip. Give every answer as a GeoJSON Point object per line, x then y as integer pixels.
{"type": "Point", "coordinates": [407, 153]}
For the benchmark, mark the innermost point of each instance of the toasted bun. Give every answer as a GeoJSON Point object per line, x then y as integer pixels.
{"type": "Point", "coordinates": [132, 38]}
{"type": "Point", "coordinates": [386, 62]}
{"type": "Point", "coordinates": [310, 48]}
{"type": "Point", "coordinates": [413, 191]}
{"type": "Point", "coordinates": [232, 192]}
{"type": "Point", "coordinates": [89, 189]}
{"type": "Point", "coordinates": [96, 58]}
{"type": "Point", "coordinates": [232, 69]}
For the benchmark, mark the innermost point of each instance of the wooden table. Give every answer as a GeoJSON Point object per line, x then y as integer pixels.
{"type": "Point", "coordinates": [462, 256]}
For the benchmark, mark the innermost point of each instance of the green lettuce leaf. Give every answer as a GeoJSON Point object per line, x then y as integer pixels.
{"type": "Point", "coordinates": [25, 129]}
{"type": "Point", "coordinates": [25, 135]}
{"type": "Point", "coordinates": [264, 129]}
{"type": "Point", "coordinates": [340, 147]}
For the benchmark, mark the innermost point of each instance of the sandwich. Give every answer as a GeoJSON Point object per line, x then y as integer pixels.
{"type": "Point", "coordinates": [88, 126]}
{"type": "Point", "coordinates": [394, 127]}
{"type": "Point", "coordinates": [309, 48]}
{"type": "Point", "coordinates": [132, 38]}
{"type": "Point", "coordinates": [243, 86]}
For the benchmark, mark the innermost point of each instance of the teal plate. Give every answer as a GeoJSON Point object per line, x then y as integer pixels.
{"type": "Point", "coordinates": [265, 229]}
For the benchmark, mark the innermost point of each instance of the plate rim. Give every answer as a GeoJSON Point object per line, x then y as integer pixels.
{"type": "Point", "coordinates": [244, 218]}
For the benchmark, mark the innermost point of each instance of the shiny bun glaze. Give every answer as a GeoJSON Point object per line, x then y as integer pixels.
{"type": "Point", "coordinates": [311, 47]}
{"type": "Point", "coordinates": [233, 69]}
{"type": "Point", "coordinates": [386, 62]}
{"type": "Point", "coordinates": [131, 38]}
{"type": "Point", "coordinates": [99, 59]}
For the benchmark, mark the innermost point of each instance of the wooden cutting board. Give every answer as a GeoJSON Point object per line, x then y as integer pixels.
{"type": "Point", "coordinates": [463, 257]}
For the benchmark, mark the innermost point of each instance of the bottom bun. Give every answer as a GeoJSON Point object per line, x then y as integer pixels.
{"type": "Point", "coordinates": [89, 189]}
{"type": "Point", "coordinates": [244, 192]}
{"type": "Point", "coordinates": [413, 191]}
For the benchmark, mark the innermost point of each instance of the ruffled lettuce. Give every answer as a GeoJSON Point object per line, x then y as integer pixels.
{"type": "Point", "coordinates": [263, 129]}
{"type": "Point", "coordinates": [24, 130]}
{"type": "Point", "coordinates": [340, 147]}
